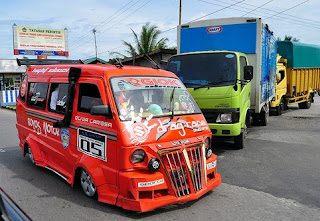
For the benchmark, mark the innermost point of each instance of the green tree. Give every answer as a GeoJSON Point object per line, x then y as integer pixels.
{"type": "Point", "coordinates": [146, 41]}
{"type": "Point", "coordinates": [289, 38]}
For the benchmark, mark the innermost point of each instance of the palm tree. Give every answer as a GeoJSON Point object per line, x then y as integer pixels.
{"type": "Point", "coordinates": [146, 41]}
{"type": "Point", "coordinates": [289, 38]}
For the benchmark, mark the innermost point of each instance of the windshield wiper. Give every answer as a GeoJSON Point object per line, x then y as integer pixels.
{"type": "Point", "coordinates": [172, 102]}
{"type": "Point", "coordinates": [211, 83]}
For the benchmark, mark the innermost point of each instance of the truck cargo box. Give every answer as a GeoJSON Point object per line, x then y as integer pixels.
{"type": "Point", "coordinates": [303, 69]}
{"type": "Point", "coordinates": [246, 35]}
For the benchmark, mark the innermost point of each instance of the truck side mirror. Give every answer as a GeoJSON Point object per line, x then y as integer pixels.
{"type": "Point", "coordinates": [248, 73]}
{"type": "Point", "coordinates": [278, 77]}
{"type": "Point", "coordinates": [102, 110]}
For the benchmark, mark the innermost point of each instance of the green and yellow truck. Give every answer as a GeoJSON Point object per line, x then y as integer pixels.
{"type": "Point", "coordinates": [229, 67]}
{"type": "Point", "coordinates": [298, 75]}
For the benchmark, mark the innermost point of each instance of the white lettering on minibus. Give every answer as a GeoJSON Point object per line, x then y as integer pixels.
{"type": "Point", "coordinates": [49, 129]}
{"type": "Point", "coordinates": [35, 125]}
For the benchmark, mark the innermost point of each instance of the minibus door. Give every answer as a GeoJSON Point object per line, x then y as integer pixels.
{"type": "Point", "coordinates": [96, 134]}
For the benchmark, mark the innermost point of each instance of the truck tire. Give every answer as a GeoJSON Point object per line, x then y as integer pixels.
{"type": "Point", "coordinates": [239, 141]}
{"type": "Point", "coordinates": [248, 120]}
{"type": "Point", "coordinates": [280, 109]}
{"type": "Point", "coordinates": [263, 118]}
{"type": "Point", "coordinates": [306, 104]}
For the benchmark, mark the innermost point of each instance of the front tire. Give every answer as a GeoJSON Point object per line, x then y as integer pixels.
{"type": "Point", "coordinates": [280, 109]}
{"type": "Point", "coordinates": [87, 184]}
{"type": "Point", "coordinates": [239, 141]}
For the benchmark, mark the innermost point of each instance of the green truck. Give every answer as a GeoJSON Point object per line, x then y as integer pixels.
{"type": "Point", "coordinates": [213, 62]}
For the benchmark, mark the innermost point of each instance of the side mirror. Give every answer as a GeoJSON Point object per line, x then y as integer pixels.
{"type": "Point", "coordinates": [278, 77]}
{"type": "Point", "coordinates": [102, 110]}
{"type": "Point", "coordinates": [248, 73]}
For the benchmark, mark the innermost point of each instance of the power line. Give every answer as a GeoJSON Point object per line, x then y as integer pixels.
{"type": "Point", "coordinates": [269, 10]}
{"type": "Point", "coordinates": [114, 24]}
{"type": "Point", "coordinates": [108, 19]}
{"type": "Point", "coordinates": [287, 9]}
{"type": "Point", "coordinates": [278, 16]}
{"type": "Point", "coordinates": [256, 8]}
{"type": "Point", "coordinates": [217, 11]}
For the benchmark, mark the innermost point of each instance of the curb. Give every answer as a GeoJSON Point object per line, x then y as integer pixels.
{"type": "Point", "coordinates": [9, 108]}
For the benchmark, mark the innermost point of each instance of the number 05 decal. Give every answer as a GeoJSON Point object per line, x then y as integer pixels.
{"type": "Point", "coordinates": [92, 144]}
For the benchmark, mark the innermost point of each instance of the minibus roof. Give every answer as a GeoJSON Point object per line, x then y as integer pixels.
{"type": "Point", "coordinates": [95, 70]}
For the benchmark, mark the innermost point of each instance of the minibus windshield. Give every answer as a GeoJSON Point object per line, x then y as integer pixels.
{"type": "Point", "coordinates": [142, 97]}
{"type": "Point", "coordinates": [210, 69]}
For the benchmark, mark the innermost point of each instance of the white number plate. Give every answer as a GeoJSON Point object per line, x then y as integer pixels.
{"type": "Point", "coordinates": [211, 165]}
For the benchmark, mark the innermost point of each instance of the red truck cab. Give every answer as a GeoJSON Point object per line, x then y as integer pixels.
{"type": "Point", "coordinates": [132, 136]}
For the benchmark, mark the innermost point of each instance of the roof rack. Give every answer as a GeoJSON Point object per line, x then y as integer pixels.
{"type": "Point", "coordinates": [46, 61]}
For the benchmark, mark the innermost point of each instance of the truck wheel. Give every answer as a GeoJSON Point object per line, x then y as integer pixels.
{"type": "Point", "coordinates": [280, 108]}
{"type": "Point", "coordinates": [248, 120]}
{"type": "Point", "coordinates": [264, 118]}
{"type": "Point", "coordinates": [239, 141]}
{"type": "Point", "coordinates": [306, 104]}
{"type": "Point", "coordinates": [87, 184]}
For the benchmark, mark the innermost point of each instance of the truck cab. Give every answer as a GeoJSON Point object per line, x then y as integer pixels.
{"type": "Point", "coordinates": [220, 83]}
{"type": "Point", "coordinates": [279, 103]}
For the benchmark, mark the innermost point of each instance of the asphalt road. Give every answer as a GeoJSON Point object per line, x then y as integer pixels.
{"type": "Point", "coordinates": [276, 177]}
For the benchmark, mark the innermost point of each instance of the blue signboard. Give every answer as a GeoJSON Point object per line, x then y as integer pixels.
{"type": "Point", "coordinates": [235, 37]}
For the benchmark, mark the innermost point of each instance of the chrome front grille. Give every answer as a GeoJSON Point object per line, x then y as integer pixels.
{"type": "Point", "coordinates": [185, 169]}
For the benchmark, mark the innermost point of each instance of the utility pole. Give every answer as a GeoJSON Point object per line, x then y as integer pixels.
{"type": "Point", "coordinates": [180, 13]}
{"type": "Point", "coordinates": [95, 41]}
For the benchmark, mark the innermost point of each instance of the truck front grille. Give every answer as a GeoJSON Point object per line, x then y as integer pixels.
{"type": "Point", "coordinates": [185, 169]}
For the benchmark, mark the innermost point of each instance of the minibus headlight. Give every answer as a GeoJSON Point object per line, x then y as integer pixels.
{"type": "Point", "coordinates": [138, 156]}
{"type": "Point", "coordinates": [224, 118]}
{"type": "Point", "coordinates": [154, 164]}
{"type": "Point", "coordinates": [207, 142]}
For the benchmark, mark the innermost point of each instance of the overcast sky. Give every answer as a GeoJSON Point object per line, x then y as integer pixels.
{"type": "Point", "coordinates": [113, 19]}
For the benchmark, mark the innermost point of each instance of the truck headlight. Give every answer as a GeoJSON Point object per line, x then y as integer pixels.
{"type": "Point", "coordinates": [224, 118]}
{"type": "Point", "coordinates": [138, 156]}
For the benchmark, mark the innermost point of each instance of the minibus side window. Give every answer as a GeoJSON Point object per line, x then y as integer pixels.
{"type": "Point", "coordinates": [37, 95]}
{"type": "Point", "coordinates": [89, 96]}
{"type": "Point", "coordinates": [58, 98]}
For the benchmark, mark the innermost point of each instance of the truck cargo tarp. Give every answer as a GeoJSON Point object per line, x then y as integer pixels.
{"type": "Point", "coordinates": [299, 55]}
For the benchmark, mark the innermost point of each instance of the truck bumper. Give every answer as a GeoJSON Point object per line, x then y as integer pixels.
{"type": "Point", "coordinates": [225, 130]}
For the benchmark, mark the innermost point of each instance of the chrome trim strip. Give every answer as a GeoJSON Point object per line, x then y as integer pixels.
{"type": "Point", "coordinates": [42, 115]}
{"type": "Point", "coordinates": [175, 182]}
{"type": "Point", "coordinates": [56, 172]}
{"type": "Point", "coordinates": [184, 177]}
{"type": "Point", "coordinates": [98, 130]}
{"type": "Point", "coordinates": [178, 173]}
{"type": "Point", "coordinates": [204, 163]}
{"type": "Point", "coordinates": [200, 165]}
{"type": "Point", "coordinates": [194, 172]}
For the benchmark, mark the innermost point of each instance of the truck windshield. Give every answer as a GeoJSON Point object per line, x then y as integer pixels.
{"type": "Point", "coordinates": [142, 97]}
{"type": "Point", "coordinates": [212, 69]}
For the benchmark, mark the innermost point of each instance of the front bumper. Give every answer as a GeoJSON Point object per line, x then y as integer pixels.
{"type": "Point", "coordinates": [153, 200]}
{"type": "Point", "coordinates": [227, 130]}
{"type": "Point", "coordinates": [145, 191]}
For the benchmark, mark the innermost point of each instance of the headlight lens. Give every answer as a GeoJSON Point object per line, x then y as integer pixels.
{"type": "Point", "coordinates": [138, 156]}
{"type": "Point", "coordinates": [207, 142]}
{"type": "Point", "coordinates": [224, 118]}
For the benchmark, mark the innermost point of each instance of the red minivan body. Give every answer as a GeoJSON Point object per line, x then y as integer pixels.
{"type": "Point", "coordinates": [132, 136]}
